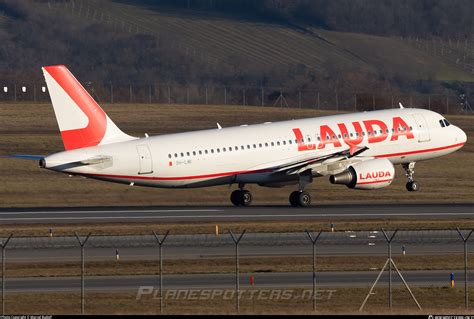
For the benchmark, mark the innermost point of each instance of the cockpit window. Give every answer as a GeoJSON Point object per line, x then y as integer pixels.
{"type": "Point", "coordinates": [446, 122]}
{"type": "Point", "coordinates": [441, 123]}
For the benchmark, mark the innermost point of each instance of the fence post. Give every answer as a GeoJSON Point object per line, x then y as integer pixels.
{"type": "Point", "coordinates": [237, 283]}
{"type": "Point", "coordinates": [319, 102]}
{"type": "Point", "coordinates": [466, 283]}
{"type": "Point", "coordinates": [111, 93]}
{"type": "Point", "coordinates": [299, 98]}
{"type": "Point", "coordinates": [82, 244]}
{"type": "Point", "coordinates": [447, 104]}
{"type": "Point", "coordinates": [263, 96]}
{"type": "Point", "coordinates": [187, 95]}
{"type": "Point", "coordinates": [243, 95]}
{"type": "Point", "coordinates": [160, 244]}
{"type": "Point", "coordinates": [389, 244]}
{"type": "Point", "coordinates": [169, 95]}
{"type": "Point", "coordinates": [355, 102]}
{"type": "Point", "coordinates": [14, 92]}
{"type": "Point", "coordinates": [225, 95]}
{"type": "Point", "coordinates": [149, 94]}
{"type": "Point", "coordinates": [4, 245]}
{"type": "Point", "coordinates": [337, 102]}
{"type": "Point", "coordinates": [313, 241]}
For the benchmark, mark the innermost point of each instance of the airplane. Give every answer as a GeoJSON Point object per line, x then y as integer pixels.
{"type": "Point", "coordinates": [358, 150]}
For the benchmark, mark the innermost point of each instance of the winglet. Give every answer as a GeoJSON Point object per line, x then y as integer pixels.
{"type": "Point", "coordinates": [401, 105]}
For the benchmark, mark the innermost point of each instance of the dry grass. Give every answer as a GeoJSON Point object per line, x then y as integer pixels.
{"type": "Point", "coordinates": [441, 300]}
{"type": "Point", "coordinates": [445, 180]}
{"type": "Point", "coordinates": [141, 228]}
{"type": "Point", "coordinates": [227, 265]}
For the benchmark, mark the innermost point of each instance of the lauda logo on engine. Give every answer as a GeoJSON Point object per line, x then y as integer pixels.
{"type": "Point", "coordinates": [328, 135]}
{"type": "Point", "coordinates": [374, 175]}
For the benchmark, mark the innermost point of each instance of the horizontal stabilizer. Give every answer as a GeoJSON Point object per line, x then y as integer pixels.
{"type": "Point", "coordinates": [24, 156]}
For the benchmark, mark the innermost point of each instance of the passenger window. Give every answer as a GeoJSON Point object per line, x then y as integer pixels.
{"type": "Point", "coordinates": [194, 153]}
{"type": "Point", "coordinates": [206, 151]}
{"type": "Point", "coordinates": [187, 153]}
{"type": "Point", "coordinates": [169, 155]}
{"type": "Point", "coordinates": [212, 150]}
{"type": "Point", "coordinates": [278, 143]}
{"type": "Point", "coordinates": [175, 155]}
{"type": "Point", "coordinates": [200, 152]}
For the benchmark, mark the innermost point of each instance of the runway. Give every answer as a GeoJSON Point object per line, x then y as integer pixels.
{"type": "Point", "coordinates": [327, 280]}
{"type": "Point", "coordinates": [228, 213]}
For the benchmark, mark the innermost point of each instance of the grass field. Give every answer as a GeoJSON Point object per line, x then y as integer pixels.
{"type": "Point", "coordinates": [442, 300]}
{"type": "Point", "coordinates": [252, 265]}
{"type": "Point", "coordinates": [32, 129]}
{"type": "Point", "coordinates": [220, 38]}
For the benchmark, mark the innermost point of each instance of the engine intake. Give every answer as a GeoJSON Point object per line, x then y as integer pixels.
{"type": "Point", "coordinates": [370, 174]}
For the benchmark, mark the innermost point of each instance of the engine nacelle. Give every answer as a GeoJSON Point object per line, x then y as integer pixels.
{"type": "Point", "coordinates": [370, 174]}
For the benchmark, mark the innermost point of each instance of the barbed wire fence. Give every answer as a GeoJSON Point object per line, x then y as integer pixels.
{"type": "Point", "coordinates": [352, 240]}
{"type": "Point", "coordinates": [246, 96]}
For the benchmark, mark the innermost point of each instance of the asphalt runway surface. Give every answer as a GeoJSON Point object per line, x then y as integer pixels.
{"type": "Point", "coordinates": [230, 213]}
{"type": "Point", "coordinates": [326, 280]}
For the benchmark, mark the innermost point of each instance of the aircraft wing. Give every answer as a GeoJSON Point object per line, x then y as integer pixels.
{"type": "Point", "coordinates": [298, 167]}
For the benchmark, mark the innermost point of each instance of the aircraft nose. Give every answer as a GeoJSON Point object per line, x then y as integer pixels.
{"type": "Point", "coordinates": [462, 136]}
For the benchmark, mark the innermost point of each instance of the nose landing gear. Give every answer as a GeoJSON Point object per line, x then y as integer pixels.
{"type": "Point", "coordinates": [411, 185]}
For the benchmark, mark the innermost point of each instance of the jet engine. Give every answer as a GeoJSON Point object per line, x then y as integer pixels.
{"type": "Point", "coordinates": [370, 174]}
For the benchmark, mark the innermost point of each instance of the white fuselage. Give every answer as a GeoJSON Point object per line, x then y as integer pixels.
{"type": "Point", "coordinates": [246, 154]}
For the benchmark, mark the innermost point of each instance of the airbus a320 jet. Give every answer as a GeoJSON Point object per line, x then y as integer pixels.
{"type": "Point", "coordinates": [358, 150]}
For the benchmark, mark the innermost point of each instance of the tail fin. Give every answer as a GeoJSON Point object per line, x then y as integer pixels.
{"type": "Point", "coordinates": [81, 120]}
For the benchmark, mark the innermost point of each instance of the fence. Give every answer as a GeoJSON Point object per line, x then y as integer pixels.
{"type": "Point", "coordinates": [192, 247]}
{"type": "Point", "coordinates": [252, 96]}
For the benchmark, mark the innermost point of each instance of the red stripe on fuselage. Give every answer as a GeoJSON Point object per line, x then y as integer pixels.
{"type": "Point", "coordinates": [422, 151]}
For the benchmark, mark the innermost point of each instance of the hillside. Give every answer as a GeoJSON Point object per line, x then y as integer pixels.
{"type": "Point", "coordinates": [223, 39]}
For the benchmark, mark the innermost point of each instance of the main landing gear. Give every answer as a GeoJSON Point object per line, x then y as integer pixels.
{"type": "Point", "coordinates": [300, 198]}
{"type": "Point", "coordinates": [409, 168]}
{"type": "Point", "coordinates": [241, 197]}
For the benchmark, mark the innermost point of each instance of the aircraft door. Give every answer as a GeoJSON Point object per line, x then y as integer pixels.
{"type": "Point", "coordinates": [145, 160]}
{"type": "Point", "coordinates": [422, 128]}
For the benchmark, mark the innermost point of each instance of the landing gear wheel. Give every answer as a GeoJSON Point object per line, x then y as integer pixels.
{"type": "Point", "coordinates": [300, 199]}
{"type": "Point", "coordinates": [304, 199]}
{"type": "Point", "coordinates": [412, 186]}
{"type": "Point", "coordinates": [246, 198]}
{"type": "Point", "coordinates": [241, 198]}
{"type": "Point", "coordinates": [294, 199]}
{"type": "Point", "coordinates": [234, 197]}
